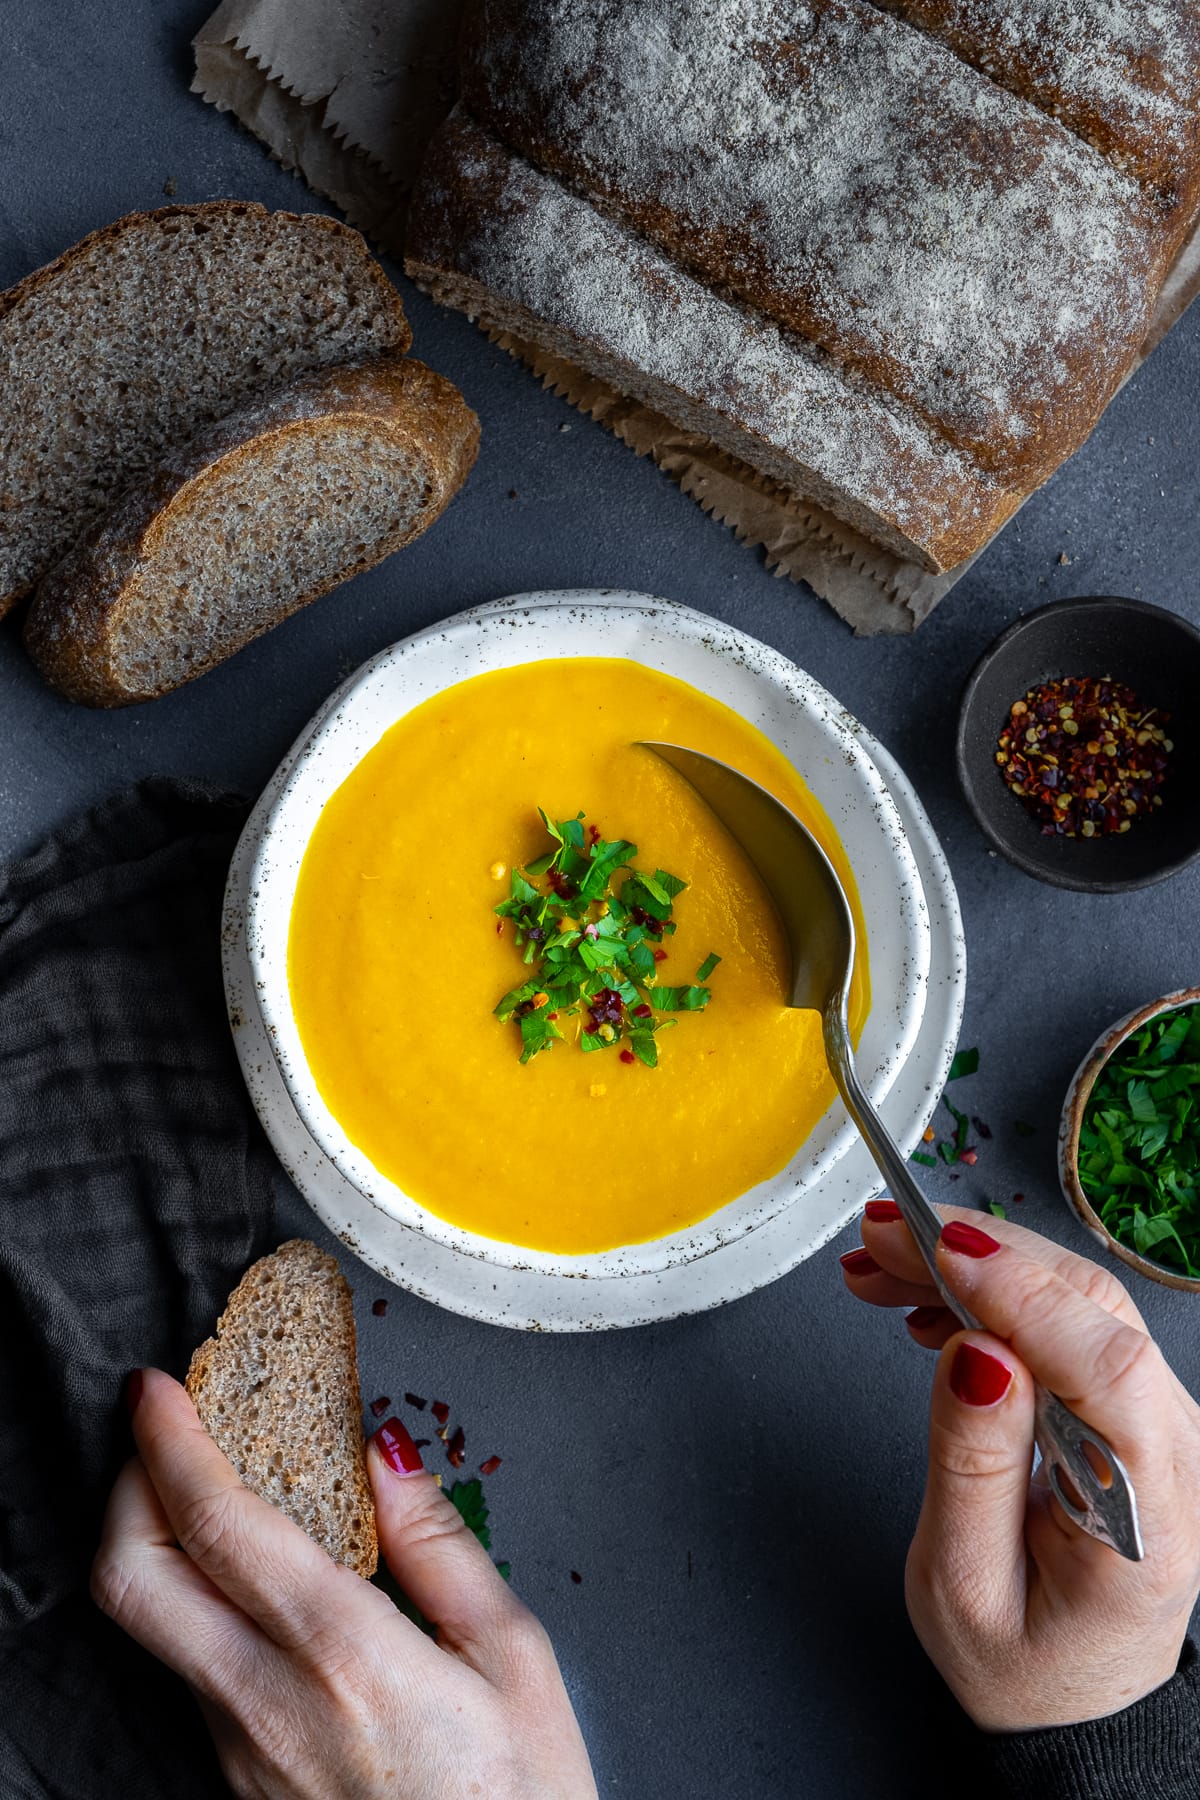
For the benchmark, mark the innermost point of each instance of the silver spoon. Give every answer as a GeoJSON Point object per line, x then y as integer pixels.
{"type": "Point", "coordinates": [820, 932]}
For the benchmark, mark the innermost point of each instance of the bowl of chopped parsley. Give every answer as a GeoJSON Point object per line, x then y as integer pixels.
{"type": "Point", "coordinates": [1129, 1146]}
{"type": "Point", "coordinates": [1079, 743]}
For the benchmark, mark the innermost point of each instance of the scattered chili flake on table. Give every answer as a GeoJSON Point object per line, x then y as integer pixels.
{"type": "Point", "coordinates": [380, 1406]}
{"type": "Point", "coordinates": [1085, 756]}
{"type": "Point", "coordinates": [440, 1411]}
{"type": "Point", "coordinates": [490, 1466]}
{"type": "Point", "coordinates": [415, 1400]}
{"type": "Point", "coordinates": [576, 1577]}
{"type": "Point", "coordinates": [456, 1449]}
{"type": "Point", "coordinates": [379, 1308]}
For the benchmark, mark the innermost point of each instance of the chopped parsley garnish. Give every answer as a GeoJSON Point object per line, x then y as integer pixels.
{"type": "Point", "coordinates": [595, 947]}
{"type": "Point", "coordinates": [1139, 1144]}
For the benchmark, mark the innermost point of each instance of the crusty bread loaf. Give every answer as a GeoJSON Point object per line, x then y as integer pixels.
{"type": "Point", "coordinates": [519, 251]}
{"type": "Point", "coordinates": [1124, 77]}
{"type": "Point", "coordinates": [151, 329]}
{"type": "Point", "coordinates": [900, 236]}
{"type": "Point", "coordinates": [277, 1389]}
{"type": "Point", "coordinates": [234, 532]}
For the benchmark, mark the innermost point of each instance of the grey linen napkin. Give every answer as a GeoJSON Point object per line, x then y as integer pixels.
{"type": "Point", "coordinates": [135, 1186]}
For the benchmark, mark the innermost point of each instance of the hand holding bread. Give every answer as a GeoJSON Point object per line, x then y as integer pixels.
{"type": "Point", "coordinates": [244, 1572]}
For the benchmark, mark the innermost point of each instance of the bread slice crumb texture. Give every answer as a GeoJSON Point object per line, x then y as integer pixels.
{"type": "Point", "coordinates": [150, 330]}
{"type": "Point", "coordinates": [277, 1390]}
{"type": "Point", "coordinates": [271, 508]}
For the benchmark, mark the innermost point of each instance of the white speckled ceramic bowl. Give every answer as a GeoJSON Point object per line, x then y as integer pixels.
{"type": "Point", "coordinates": [801, 718]}
{"type": "Point", "coordinates": [1078, 1095]}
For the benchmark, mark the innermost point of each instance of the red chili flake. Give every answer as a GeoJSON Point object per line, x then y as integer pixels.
{"type": "Point", "coordinates": [594, 833]}
{"type": "Point", "coordinates": [605, 1008]}
{"type": "Point", "coordinates": [643, 1012]}
{"type": "Point", "coordinates": [985, 1131]}
{"type": "Point", "coordinates": [422, 1443]}
{"type": "Point", "coordinates": [379, 1308]}
{"type": "Point", "coordinates": [1017, 1199]}
{"type": "Point", "coordinates": [380, 1406]}
{"type": "Point", "coordinates": [627, 1056]}
{"type": "Point", "coordinates": [552, 1015]}
{"type": "Point", "coordinates": [1084, 756]}
{"type": "Point", "coordinates": [970, 1157]}
{"type": "Point", "coordinates": [660, 956]}
{"type": "Point", "coordinates": [576, 1577]}
{"type": "Point", "coordinates": [456, 1449]}
{"type": "Point", "coordinates": [440, 1411]}
{"type": "Point", "coordinates": [415, 1400]}
{"type": "Point", "coordinates": [490, 1466]}
{"type": "Point", "coordinates": [558, 884]}
{"type": "Point", "coordinates": [499, 926]}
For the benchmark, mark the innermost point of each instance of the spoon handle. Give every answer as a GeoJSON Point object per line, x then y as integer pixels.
{"type": "Point", "coordinates": [1109, 1505]}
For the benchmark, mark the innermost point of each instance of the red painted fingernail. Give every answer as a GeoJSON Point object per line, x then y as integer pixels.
{"type": "Point", "coordinates": [133, 1390]}
{"type": "Point", "coordinates": [859, 1262]}
{"type": "Point", "coordinates": [882, 1212]}
{"type": "Point", "coordinates": [924, 1318]}
{"type": "Point", "coordinates": [968, 1240]}
{"type": "Point", "coordinates": [397, 1449]}
{"type": "Point", "coordinates": [977, 1378]}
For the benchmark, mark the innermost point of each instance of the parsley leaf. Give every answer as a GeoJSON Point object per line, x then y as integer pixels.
{"type": "Point", "coordinates": [1139, 1143]}
{"type": "Point", "coordinates": [594, 946]}
{"type": "Point", "coordinates": [965, 1063]}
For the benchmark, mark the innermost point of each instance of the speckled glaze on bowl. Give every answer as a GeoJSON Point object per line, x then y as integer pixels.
{"type": "Point", "coordinates": [1078, 1095]}
{"type": "Point", "coordinates": [802, 719]}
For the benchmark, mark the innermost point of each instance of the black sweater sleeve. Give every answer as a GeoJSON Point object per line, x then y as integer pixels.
{"type": "Point", "coordinates": [1151, 1751]}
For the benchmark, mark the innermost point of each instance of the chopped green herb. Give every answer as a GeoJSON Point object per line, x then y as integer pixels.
{"type": "Point", "coordinates": [965, 1063]}
{"type": "Point", "coordinates": [996, 1210]}
{"type": "Point", "coordinates": [1139, 1144]}
{"type": "Point", "coordinates": [594, 948]}
{"type": "Point", "coordinates": [919, 1156]}
{"type": "Point", "coordinates": [467, 1499]}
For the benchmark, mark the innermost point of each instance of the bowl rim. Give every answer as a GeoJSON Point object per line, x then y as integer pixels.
{"type": "Point", "coordinates": [707, 1234]}
{"type": "Point", "coordinates": [1021, 859]}
{"type": "Point", "coordinates": [1079, 1093]}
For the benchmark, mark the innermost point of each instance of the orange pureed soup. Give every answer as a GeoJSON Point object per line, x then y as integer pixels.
{"type": "Point", "coordinates": [395, 964]}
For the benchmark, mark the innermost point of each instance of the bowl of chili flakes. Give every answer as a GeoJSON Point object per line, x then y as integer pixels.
{"type": "Point", "coordinates": [1079, 744]}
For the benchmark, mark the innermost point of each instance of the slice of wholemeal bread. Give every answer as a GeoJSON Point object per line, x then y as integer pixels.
{"type": "Point", "coordinates": [149, 330]}
{"type": "Point", "coordinates": [259, 515]}
{"type": "Point", "coordinates": [277, 1390]}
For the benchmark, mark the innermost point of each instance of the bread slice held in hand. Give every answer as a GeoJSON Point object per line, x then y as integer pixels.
{"type": "Point", "coordinates": [261, 514]}
{"type": "Point", "coordinates": [277, 1390]}
{"type": "Point", "coordinates": [151, 329]}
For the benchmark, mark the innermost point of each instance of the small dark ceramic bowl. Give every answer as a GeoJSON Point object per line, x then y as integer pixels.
{"type": "Point", "coordinates": [1074, 1112]}
{"type": "Point", "coordinates": [1158, 654]}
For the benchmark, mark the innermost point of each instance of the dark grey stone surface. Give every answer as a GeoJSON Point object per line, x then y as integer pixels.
{"type": "Point", "coordinates": [735, 1490]}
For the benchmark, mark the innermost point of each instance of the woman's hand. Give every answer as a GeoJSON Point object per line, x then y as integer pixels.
{"type": "Point", "coordinates": [314, 1686]}
{"type": "Point", "coordinates": [1030, 1621]}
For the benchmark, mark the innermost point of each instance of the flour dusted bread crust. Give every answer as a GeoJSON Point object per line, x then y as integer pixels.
{"type": "Point", "coordinates": [148, 331]}
{"type": "Point", "coordinates": [843, 182]}
{"type": "Point", "coordinates": [239, 529]}
{"type": "Point", "coordinates": [277, 1390]}
{"type": "Point", "coordinates": [517, 249]}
